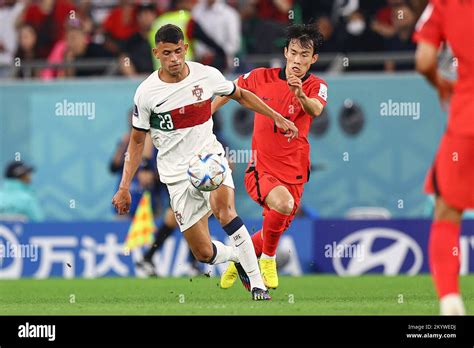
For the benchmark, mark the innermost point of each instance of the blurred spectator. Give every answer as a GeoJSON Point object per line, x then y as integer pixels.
{"type": "Point", "coordinates": [84, 14]}
{"type": "Point", "coordinates": [331, 42]}
{"type": "Point", "coordinates": [343, 9]}
{"type": "Point", "coordinates": [310, 9]}
{"type": "Point", "coordinates": [79, 48]}
{"type": "Point", "coordinates": [17, 198]}
{"type": "Point", "coordinates": [57, 54]}
{"type": "Point", "coordinates": [137, 56]}
{"type": "Point", "coordinates": [264, 25]}
{"type": "Point", "coordinates": [9, 12]}
{"type": "Point", "coordinates": [403, 19]}
{"type": "Point", "coordinates": [181, 16]}
{"type": "Point", "coordinates": [221, 22]}
{"type": "Point", "coordinates": [120, 25]}
{"type": "Point", "coordinates": [383, 22]}
{"type": "Point", "coordinates": [274, 10]}
{"type": "Point", "coordinates": [48, 18]}
{"type": "Point", "coordinates": [358, 36]}
{"type": "Point", "coordinates": [27, 47]}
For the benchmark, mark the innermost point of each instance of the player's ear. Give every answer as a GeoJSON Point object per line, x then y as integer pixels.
{"type": "Point", "coordinates": [285, 52]}
{"type": "Point", "coordinates": [314, 58]}
{"type": "Point", "coordinates": [186, 48]}
{"type": "Point", "coordinates": [155, 52]}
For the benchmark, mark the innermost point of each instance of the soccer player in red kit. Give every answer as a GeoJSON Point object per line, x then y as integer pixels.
{"type": "Point", "coordinates": [279, 168]}
{"type": "Point", "coordinates": [451, 177]}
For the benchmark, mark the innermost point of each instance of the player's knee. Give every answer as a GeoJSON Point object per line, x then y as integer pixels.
{"type": "Point", "coordinates": [225, 214]}
{"type": "Point", "coordinates": [204, 253]}
{"type": "Point", "coordinates": [285, 206]}
{"type": "Point", "coordinates": [444, 212]}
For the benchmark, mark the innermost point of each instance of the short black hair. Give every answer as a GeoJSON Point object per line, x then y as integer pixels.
{"type": "Point", "coordinates": [307, 34]}
{"type": "Point", "coordinates": [169, 33]}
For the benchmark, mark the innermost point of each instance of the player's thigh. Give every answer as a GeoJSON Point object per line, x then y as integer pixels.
{"type": "Point", "coordinates": [189, 205]}
{"type": "Point", "coordinates": [223, 204]}
{"type": "Point", "coordinates": [169, 218]}
{"type": "Point", "coordinates": [199, 240]}
{"type": "Point", "coordinates": [281, 200]}
{"type": "Point", "coordinates": [258, 185]}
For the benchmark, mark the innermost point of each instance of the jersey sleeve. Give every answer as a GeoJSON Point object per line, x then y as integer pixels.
{"type": "Point", "coordinates": [319, 90]}
{"type": "Point", "coordinates": [429, 27]}
{"type": "Point", "coordinates": [141, 112]}
{"type": "Point", "coordinates": [248, 81]}
{"type": "Point", "coordinates": [219, 84]}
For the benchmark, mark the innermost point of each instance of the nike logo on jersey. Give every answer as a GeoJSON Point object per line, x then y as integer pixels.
{"type": "Point", "coordinates": [158, 105]}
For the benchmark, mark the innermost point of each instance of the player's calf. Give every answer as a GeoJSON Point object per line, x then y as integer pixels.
{"type": "Point", "coordinates": [203, 253]}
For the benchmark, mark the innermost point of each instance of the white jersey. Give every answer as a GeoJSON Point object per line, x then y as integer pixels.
{"type": "Point", "coordinates": [178, 116]}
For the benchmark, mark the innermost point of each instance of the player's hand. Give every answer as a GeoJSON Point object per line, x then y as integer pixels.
{"type": "Point", "coordinates": [288, 126]}
{"type": "Point", "coordinates": [296, 85]}
{"type": "Point", "coordinates": [445, 89]}
{"type": "Point", "coordinates": [122, 200]}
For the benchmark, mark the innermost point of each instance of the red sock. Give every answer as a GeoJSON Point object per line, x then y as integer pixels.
{"type": "Point", "coordinates": [274, 225]}
{"type": "Point", "coordinates": [444, 257]}
{"type": "Point", "coordinates": [257, 240]}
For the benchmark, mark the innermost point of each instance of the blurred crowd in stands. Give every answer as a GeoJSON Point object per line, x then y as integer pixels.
{"type": "Point", "coordinates": [220, 33]}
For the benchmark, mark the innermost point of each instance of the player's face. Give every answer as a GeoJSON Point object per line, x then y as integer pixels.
{"type": "Point", "coordinates": [171, 56]}
{"type": "Point", "coordinates": [299, 58]}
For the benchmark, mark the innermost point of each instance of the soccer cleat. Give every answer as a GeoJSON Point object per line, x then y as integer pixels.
{"type": "Point", "coordinates": [148, 267]}
{"type": "Point", "coordinates": [260, 295]}
{"type": "Point", "coordinates": [268, 268]}
{"type": "Point", "coordinates": [452, 305]}
{"type": "Point", "coordinates": [244, 278]}
{"type": "Point", "coordinates": [229, 277]}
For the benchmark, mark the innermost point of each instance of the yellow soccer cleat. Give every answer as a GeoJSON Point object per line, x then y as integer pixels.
{"type": "Point", "coordinates": [229, 277]}
{"type": "Point", "coordinates": [268, 268]}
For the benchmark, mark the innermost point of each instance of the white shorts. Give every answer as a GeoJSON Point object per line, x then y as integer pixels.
{"type": "Point", "coordinates": [189, 204]}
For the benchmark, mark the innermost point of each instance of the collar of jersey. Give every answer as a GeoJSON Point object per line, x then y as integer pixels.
{"type": "Point", "coordinates": [282, 75]}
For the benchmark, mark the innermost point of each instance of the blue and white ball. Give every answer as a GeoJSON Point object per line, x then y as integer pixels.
{"type": "Point", "coordinates": [206, 172]}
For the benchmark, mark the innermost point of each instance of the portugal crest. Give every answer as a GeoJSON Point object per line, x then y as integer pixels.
{"type": "Point", "coordinates": [198, 92]}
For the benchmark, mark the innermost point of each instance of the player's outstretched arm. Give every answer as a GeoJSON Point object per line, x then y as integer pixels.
{"type": "Point", "coordinates": [133, 158]}
{"type": "Point", "coordinates": [217, 103]}
{"type": "Point", "coordinates": [254, 103]}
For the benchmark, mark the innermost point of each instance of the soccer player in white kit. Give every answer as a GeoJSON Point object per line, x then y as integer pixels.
{"type": "Point", "coordinates": [174, 105]}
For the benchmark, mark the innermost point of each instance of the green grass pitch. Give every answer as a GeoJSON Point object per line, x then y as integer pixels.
{"type": "Point", "coordinates": [307, 295]}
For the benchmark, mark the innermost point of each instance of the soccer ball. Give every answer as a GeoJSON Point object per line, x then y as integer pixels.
{"type": "Point", "coordinates": [206, 172]}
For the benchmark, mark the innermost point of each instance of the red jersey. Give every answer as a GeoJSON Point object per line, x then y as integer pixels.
{"type": "Point", "coordinates": [453, 22]}
{"type": "Point", "coordinates": [287, 161]}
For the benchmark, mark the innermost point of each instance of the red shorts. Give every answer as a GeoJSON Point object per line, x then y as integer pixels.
{"type": "Point", "coordinates": [259, 185]}
{"type": "Point", "coordinates": [452, 173]}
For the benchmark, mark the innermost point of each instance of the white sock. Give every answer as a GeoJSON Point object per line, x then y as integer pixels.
{"type": "Point", "coordinates": [224, 253]}
{"type": "Point", "coordinates": [240, 236]}
{"type": "Point", "coordinates": [267, 257]}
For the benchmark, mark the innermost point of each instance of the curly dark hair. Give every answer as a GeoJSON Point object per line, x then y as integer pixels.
{"type": "Point", "coordinates": [307, 34]}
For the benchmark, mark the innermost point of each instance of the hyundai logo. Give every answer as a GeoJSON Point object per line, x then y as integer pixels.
{"type": "Point", "coordinates": [391, 257]}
